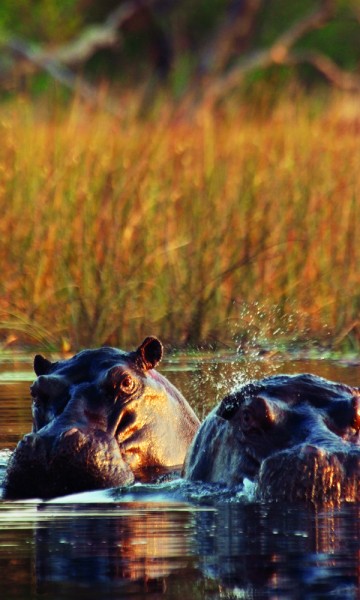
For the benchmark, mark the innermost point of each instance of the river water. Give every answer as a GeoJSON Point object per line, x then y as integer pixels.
{"type": "Point", "coordinates": [169, 542]}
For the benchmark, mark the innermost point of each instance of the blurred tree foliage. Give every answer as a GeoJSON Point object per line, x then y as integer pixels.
{"type": "Point", "coordinates": [177, 40]}
{"type": "Point", "coordinates": [339, 39]}
{"type": "Point", "coordinates": [41, 20]}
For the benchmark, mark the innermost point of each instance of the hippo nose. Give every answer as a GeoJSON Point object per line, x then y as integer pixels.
{"type": "Point", "coordinates": [74, 436]}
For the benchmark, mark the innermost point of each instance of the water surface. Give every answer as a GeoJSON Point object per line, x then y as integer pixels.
{"type": "Point", "coordinates": [172, 541]}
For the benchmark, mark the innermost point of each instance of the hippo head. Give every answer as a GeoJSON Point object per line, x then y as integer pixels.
{"type": "Point", "coordinates": [100, 419]}
{"type": "Point", "coordinates": [296, 437]}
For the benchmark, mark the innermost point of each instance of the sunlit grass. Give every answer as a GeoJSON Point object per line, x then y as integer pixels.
{"type": "Point", "coordinates": [220, 225]}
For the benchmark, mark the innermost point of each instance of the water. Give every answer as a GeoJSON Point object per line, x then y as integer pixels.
{"type": "Point", "coordinates": [173, 541]}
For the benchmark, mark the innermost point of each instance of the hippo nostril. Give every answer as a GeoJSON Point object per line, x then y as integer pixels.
{"type": "Point", "coordinates": [72, 436]}
{"type": "Point", "coordinates": [70, 432]}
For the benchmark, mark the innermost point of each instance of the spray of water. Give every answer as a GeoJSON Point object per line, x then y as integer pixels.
{"type": "Point", "coordinates": [262, 337]}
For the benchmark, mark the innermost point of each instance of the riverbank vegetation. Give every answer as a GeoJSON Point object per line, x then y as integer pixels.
{"type": "Point", "coordinates": [222, 225]}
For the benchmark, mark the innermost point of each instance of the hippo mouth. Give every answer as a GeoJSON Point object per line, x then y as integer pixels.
{"type": "Point", "coordinates": [42, 467]}
{"type": "Point", "coordinates": [309, 474]}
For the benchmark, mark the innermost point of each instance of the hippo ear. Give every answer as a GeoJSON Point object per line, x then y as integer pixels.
{"type": "Point", "coordinates": [150, 353]}
{"type": "Point", "coordinates": [41, 365]}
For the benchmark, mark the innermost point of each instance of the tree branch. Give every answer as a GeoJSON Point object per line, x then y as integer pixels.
{"type": "Point", "coordinates": [59, 72]}
{"type": "Point", "coordinates": [342, 79]}
{"type": "Point", "coordinates": [92, 39]}
{"type": "Point", "coordinates": [59, 61]}
{"type": "Point", "coordinates": [280, 53]}
{"type": "Point", "coordinates": [314, 20]}
{"type": "Point", "coordinates": [232, 35]}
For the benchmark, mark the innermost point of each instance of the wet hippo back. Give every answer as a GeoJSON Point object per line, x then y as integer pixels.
{"type": "Point", "coordinates": [296, 437]}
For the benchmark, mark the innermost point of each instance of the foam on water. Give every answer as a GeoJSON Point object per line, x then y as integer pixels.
{"type": "Point", "coordinates": [178, 491]}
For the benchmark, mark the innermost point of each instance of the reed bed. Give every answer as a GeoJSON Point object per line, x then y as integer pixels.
{"type": "Point", "coordinates": [227, 225]}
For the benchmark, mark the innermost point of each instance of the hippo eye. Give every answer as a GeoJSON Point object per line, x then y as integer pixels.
{"type": "Point", "coordinates": [246, 419]}
{"type": "Point", "coordinates": [37, 395]}
{"type": "Point", "coordinates": [40, 399]}
{"type": "Point", "coordinates": [118, 381]}
{"type": "Point", "coordinates": [127, 384]}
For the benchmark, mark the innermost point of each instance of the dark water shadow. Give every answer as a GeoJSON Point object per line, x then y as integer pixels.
{"type": "Point", "coordinates": [178, 551]}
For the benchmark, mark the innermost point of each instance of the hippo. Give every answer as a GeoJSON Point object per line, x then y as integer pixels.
{"type": "Point", "coordinates": [102, 418]}
{"type": "Point", "coordinates": [295, 436]}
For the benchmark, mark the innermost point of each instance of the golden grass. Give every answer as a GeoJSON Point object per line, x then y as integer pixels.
{"type": "Point", "coordinates": [200, 228]}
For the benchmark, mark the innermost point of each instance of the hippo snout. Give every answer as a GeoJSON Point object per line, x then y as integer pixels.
{"type": "Point", "coordinates": [310, 474]}
{"type": "Point", "coordinates": [46, 466]}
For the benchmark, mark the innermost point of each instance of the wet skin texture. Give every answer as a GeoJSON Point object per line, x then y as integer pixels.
{"type": "Point", "coordinates": [102, 418]}
{"type": "Point", "coordinates": [296, 437]}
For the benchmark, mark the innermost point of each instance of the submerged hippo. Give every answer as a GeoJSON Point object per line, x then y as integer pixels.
{"type": "Point", "coordinates": [296, 437]}
{"type": "Point", "coordinates": [102, 418]}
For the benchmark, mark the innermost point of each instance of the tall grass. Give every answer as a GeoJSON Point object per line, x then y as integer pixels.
{"type": "Point", "coordinates": [190, 227]}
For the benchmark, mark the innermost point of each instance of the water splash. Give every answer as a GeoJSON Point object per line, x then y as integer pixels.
{"type": "Point", "coordinates": [178, 492]}
{"type": "Point", "coordinates": [4, 459]}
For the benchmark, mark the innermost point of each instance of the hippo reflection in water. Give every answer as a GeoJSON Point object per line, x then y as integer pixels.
{"type": "Point", "coordinates": [296, 437]}
{"type": "Point", "coordinates": [102, 418]}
